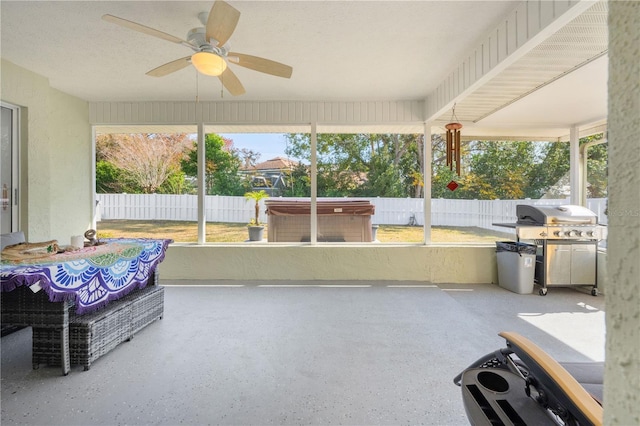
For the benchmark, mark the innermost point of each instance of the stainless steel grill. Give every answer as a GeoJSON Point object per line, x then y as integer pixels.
{"type": "Point", "coordinates": [567, 238]}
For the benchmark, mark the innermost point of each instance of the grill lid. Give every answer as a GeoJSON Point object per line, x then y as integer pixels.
{"type": "Point", "coordinates": [555, 215]}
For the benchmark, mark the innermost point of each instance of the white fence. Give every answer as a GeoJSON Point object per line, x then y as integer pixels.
{"type": "Point", "coordinates": [389, 211]}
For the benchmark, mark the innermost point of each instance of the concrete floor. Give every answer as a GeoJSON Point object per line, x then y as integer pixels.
{"type": "Point", "coordinates": [320, 353]}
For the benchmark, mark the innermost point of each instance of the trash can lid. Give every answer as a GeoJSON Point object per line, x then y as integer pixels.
{"type": "Point", "coordinates": [515, 247]}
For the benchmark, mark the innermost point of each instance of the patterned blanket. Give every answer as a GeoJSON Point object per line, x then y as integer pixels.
{"type": "Point", "coordinates": [92, 276]}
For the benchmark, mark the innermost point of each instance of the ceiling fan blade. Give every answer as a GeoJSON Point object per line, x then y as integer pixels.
{"type": "Point", "coordinates": [231, 83]}
{"type": "Point", "coordinates": [260, 64]}
{"type": "Point", "coordinates": [170, 67]}
{"type": "Point", "coordinates": [222, 21]}
{"type": "Point", "coordinates": [143, 29]}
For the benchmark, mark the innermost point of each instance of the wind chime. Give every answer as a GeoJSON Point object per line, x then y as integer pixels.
{"type": "Point", "coordinates": [453, 142]}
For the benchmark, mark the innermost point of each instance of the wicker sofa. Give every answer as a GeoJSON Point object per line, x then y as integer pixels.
{"type": "Point", "coordinates": [62, 337]}
{"type": "Point", "coordinates": [95, 334]}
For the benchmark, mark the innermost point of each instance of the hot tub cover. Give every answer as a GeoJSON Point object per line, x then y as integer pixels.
{"type": "Point", "coordinates": [324, 207]}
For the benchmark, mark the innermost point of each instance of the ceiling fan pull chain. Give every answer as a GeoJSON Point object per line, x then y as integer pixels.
{"type": "Point", "coordinates": [197, 87]}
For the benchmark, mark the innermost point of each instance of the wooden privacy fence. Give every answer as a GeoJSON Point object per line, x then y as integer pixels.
{"type": "Point", "coordinates": [389, 211]}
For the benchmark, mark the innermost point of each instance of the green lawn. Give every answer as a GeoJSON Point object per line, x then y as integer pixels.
{"type": "Point", "coordinates": [237, 232]}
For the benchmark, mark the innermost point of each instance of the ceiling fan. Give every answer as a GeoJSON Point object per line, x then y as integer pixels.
{"type": "Point", "coordinates": [211, 49]}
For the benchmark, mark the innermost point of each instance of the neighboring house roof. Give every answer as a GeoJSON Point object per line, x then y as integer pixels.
{"type": "Point", "coordinates": [278, 163]}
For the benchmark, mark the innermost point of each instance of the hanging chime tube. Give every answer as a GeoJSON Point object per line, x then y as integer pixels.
{"type": "Point", "coordinates": [453, 145]}
{"type": "Point", "coordinates": [448, 149]}
{"type": "Point", "coordinates": [457, 152]}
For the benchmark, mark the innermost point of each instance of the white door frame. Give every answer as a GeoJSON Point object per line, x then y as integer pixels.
{"type": "Point", "coordinates": [13, 193]}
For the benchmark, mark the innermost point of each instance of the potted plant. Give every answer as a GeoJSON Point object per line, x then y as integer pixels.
{"type": "Point", "coordinates": [256, 229]}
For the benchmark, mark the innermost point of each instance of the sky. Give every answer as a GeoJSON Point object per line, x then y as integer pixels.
{"type": "Point", "coordinates": [269, 145]}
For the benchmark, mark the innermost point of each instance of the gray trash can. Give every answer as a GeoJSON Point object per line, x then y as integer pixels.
{"type": "Point", "coordinates": [516, 266]}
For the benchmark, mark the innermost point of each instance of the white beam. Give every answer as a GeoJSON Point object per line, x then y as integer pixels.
{"type": "Point", "coordinates": [314, 183]}
{"type": "Point", "coordinates": [95, 209]}
{"type": "Point", "coordinates": [426, 161]}
{"type": "Point", "coordinates": [575, 174]}
{"type": "Point", "coordinates": [202, 190]}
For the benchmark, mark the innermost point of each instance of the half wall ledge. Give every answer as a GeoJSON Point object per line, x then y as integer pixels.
{"type": "Point", "coordinates": [471, 264]}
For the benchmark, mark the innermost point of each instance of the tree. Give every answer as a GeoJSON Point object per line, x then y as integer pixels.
{"type": "Point", "coordinates": [391, 165]}
{"type": "Point", "coordinates": [110, 179]}
{"type": "Point", "coordinates": [256, 196]}
{"type": "Point", "coordinates": [498, 169]}
{"type": "Point", "coordinates": [144, 160]}
{"type": "Point", "coordinates": [383, 178]}
{"type": "Point", "coordinates": [177, 183]}
{"type": "Point", "coordinates": [411, 164]}
{"type": "Point", "coordinates": [386, 165]}
{"type": "Point", "coordinates": [299, 182]}
{"type": "Point", "coordinates": [249, 157]}
{"type": "Point", "coordinates": [221, 166]}
{"type": "Point", "coordinates": [552, 165]}
{"type": "Point", "coordinates": [502, 169]}
{"type": "Point", "coordinates": [597, 167]}
{"type": "Point", "coordinates": [341, 160]}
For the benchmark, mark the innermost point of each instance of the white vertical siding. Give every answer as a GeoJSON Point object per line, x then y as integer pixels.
{"type": "Point", "coordinates": [512, 38]}
{"type": "Point", "coordinates": [255, 113]}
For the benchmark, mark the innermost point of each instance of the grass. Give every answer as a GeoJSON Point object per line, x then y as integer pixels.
{"type": "Point", "coordinates": [237, 232]}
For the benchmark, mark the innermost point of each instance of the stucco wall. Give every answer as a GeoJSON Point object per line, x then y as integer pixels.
{"type": "Point", "coordinates": [622, 375]}
{"type": "Point", "coordinates": [436, 264]}
{"type": "Point", "coordinates": [71, 163]}
{"type": "Point", "coordinates": [56, 188]}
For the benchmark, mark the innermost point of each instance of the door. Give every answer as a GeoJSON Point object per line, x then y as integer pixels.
{"type": "Point", "coordinates": [558, 264]}
{"type": "Point", "coordinates": [583, 264]}
{"type": "Point", "coordinates": [9, 169]}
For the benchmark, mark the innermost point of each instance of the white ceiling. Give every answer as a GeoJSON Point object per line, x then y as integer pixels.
{"type": "Point", "coordinates": [339, 50]}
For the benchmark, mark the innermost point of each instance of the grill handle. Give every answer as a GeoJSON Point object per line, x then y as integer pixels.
{"type": "Point", "coordinates": [569, 220]}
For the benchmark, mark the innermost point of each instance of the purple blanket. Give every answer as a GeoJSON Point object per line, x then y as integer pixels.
{"type": "Point", "coordinates": [91, 277]}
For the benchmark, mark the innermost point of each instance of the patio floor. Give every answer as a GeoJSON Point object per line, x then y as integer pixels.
{"type": "Point", "coordinates": [320, 353]}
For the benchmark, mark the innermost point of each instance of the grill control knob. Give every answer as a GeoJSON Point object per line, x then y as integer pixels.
{"type": "Point", "coordinates": [590, 234]}
{"type": "Point", "coordinates": [571, 233]}
{"type": "Point", "coordinates": [556, 233]}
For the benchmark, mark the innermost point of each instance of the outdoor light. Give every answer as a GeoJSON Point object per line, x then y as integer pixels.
{"type": "Point", "coordinates": [209, 63]}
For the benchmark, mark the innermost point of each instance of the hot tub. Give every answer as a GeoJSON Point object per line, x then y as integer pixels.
{"type": "Point", "coordinates": [338, 221]}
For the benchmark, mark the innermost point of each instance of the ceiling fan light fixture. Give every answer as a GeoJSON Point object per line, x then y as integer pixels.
{"type": "Point", "coordinates": [209, 63]}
